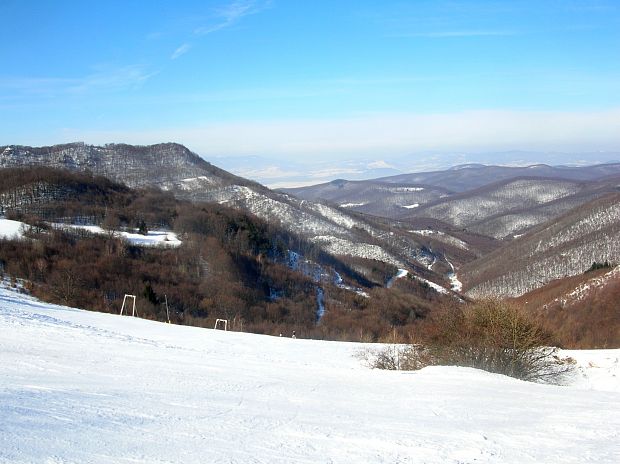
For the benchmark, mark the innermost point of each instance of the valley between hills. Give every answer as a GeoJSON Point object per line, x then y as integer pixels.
{"type": "Point", "coordinates": [345, 260]}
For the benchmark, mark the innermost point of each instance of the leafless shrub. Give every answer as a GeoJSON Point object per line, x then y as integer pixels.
{"type": "Point", "coordinates": [491, 335]}
{"type": "Point", "coordinates": [396, 357]}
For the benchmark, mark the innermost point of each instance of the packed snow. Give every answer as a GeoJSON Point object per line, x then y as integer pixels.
{"type": "Point", "coordinates": [11, 229]}
{"type": "Point", "coordinates": [78, 386]}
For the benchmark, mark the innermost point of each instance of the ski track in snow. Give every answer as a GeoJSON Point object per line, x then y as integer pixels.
{"type": "Point", "coordinates": [78, 386]}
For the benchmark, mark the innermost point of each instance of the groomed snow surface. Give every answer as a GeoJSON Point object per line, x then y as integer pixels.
{"type": "Point", "coordinates": [84, 387]}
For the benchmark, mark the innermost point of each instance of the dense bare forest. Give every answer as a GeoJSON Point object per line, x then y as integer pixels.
{"type": "Point", "coordinates": [231, 264]}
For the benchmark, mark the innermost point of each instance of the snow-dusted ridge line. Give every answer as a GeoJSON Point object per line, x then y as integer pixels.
{"type": "Point", "coordinates": [176, 169]}
{"type": "Point", "coordinates": [78, 386]}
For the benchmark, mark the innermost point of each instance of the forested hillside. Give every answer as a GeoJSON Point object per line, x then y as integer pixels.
{"type": "Point", "coordinates": [230, 264]}
{"type": "Point", "coordinates": [563, 247]}
{"type": "Point", "coordinates": [173, 168]}
{"type": "Point", "coordinates": [582, 310]}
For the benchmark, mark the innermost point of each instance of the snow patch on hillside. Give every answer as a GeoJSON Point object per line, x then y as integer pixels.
{"type": "Point", "coordinates": [338, 282]}
{"type": "Point", "coordinates": [455, 284]}
{"type": "Point", "coordinates": [158, 238]}
{"type": "Point", "coordinates": [12, 229]}
{"type": "Point", "coordinates": [399, 275]}
{"type": "Point", "coordinates": [442, 237]}
{"type": "Point", "coordinates": [596, 369]}
{"type": "Point", "coordinates": [352, 205]}
{"type": "Point", "coordinates": [438, 288]}
{"type": "Point", "coordinates": [407, 189]}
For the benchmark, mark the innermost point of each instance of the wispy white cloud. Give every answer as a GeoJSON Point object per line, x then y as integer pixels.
{"type": "Point", "coordinates": [232, 13]}
{"type": "Point", "coordinates": [181, 50]}
{"type": "Point", "coordinates": [113, 78]}
{"type": "Point", "coordinates": [222, 18]}
{"type": "Point", "coordinates": [103, 78]}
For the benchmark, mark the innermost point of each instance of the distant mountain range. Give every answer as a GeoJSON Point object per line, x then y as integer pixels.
{"type": "Point", "coordinates": [501, 203]}
{"type": "Point", "coordinates": [297, 172]}
{"type": "Point", "coordinates": [470, 218]}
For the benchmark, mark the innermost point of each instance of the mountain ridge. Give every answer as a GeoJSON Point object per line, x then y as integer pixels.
{"type": "Point", "coordinates": [174, 168]}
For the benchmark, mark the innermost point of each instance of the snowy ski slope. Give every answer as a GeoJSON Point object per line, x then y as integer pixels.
{"type": "Point", "coordinates": [84, 387]}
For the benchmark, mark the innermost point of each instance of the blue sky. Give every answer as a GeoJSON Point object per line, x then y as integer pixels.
{"type": "Point", "coordinates": [314, 80]}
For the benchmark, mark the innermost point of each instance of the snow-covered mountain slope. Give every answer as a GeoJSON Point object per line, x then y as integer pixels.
{"type": "Point", "coordinates": [174, 168]}
{"type": "Point", "coordinates": [370, 197]}
{"type": "Point", "coordinates": [78, 386]}
{"type": "Point", "coordinates": [510, 208]}
{"type": "Point", "coordinates": [494, 201]}
{"type": "Point", "coordinates": [473, 207]}
{"type": "Point", "coordinates": [564, 247]}
{"type": "Point", "coordinates": [161, 165]}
